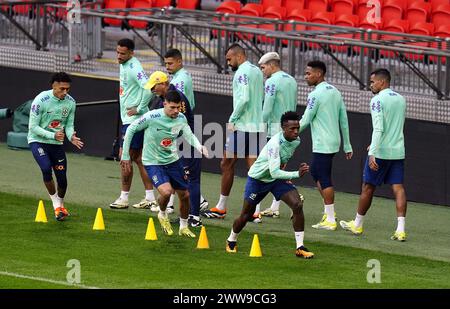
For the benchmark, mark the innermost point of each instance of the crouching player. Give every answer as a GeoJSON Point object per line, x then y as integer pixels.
{"type": "Point", "coordinates": [266, 176]}
{"type": "Point", "coordinates": [160, 157]}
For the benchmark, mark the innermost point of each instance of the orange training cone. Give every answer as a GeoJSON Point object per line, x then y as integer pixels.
{"type": "Point", "coordinates": [40, 214]}
{"type": "Point", "coordinates": [99, 224]}
{"type": "Point", "coordinates": [151, 232]}
{"type": "Point", "coordinates": [255, 251]}
{"type": "Point", "coordinates": [203, 240]}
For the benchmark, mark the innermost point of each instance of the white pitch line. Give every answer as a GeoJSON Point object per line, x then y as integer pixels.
{"type": "Point", "coordinates": [5, 273]}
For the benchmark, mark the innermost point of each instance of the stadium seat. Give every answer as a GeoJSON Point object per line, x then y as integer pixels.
{"type": "Point", "coordinates": [252, 9]}
{"type": "Point", "coordinates": [296, 15]}
{"type": "Point", "coordinates": [292, 5]}
{"type": "Point", "coordinates": [272, 12]}
{"type": "Point", "coordinates": [442, 31]}
{"type": "Point", "coordinates": [145, 4]}
{"type": "Point", "coordinates": [268, 3]}
{"type": "Point", "coordinates": [420, 28]}
{"type": "Point", "coordinates": [418, 11]}
{"type": "Point", "coordinates": [436, 3]}
{"type": "Point", "coordinates": [362, 9]}
{"type": "Point", "coordinates": [343, 7]}
{"type": "Point", "coordinates": [188, 4]}
{"type": "Point", "coordinates": [394, 25]}
{"type": "Point", "coordinates": [441, 15]}
{"type": "Point", "coordinates": [391, 10]}
{"type": "Point", "coordinates": [345, 21]}
{"type": "Point", "coordinates": [161, 3]}
{"type": "Point", "coordinates": [114, 4]}
{"type": "Point", "coordinates": [325, 18]}
{"type": "Point", "coordinates": [317, 5]}
{"type": "Point", "coordinates": [230, 7]}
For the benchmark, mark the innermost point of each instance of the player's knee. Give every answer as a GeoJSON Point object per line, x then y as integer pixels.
{"type": "Point", "coordinates": [297, 206]}
{"type": "Point", "coordinates": [165, 193]}
{"type": "Point", "coordinates": [47, 174]}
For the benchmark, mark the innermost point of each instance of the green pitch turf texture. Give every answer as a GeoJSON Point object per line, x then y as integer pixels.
{"type": "Point", "coordinates": [119, 257]}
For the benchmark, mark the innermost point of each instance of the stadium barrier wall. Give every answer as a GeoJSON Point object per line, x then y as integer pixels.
{"type": "Point", "coordinates": [427, 173]}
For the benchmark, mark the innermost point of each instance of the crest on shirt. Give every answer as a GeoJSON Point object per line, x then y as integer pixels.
{"type": "Point", "coordinates": [35, 109]}
{"type": "Point", "coordinates": [376, 106]}
{"type": "Point", "coordinates": [311, 102]}
{"type": "Point", "coordinates": [65, 112]}
{"type": "Point", "coordinates": [166, 142]}
{"type": "Point", "coordinates": [55, 124]}
{"type": "Point", "coordinates": [243, 79]}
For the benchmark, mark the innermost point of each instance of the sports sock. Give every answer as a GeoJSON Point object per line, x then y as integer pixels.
{"type": "Point", "coordinates": [233, 236]}
{"type": "Point", "coordinates": [329, 210]}
{"type": "Point", "coordinates": [171, 200]}
{"type": "Point", "coordinates": [222, 204]}
{"type": "Point", "coordinates": [275, 205]}
{"type": "Point", "coordinates": [124, 195]}
{"type": "Point", "coordinates": [149, 195]}
{"type": "Point", "coordinates": [202, 198]}
{"type": "Point", "coordinates": [257, 209]}
{"type": "Point", "coordinates": [299, 238]}
{"type": "Point", "coordinates": [359, 220]}
{"type": "Point", "coordinates": [183, 223]}
{"type": "Point", "coordinates": [55, 200]}
{"type": "Point", "coordinates": [400, 224]}
{"type": "Point", "coordinates": [162, 214]}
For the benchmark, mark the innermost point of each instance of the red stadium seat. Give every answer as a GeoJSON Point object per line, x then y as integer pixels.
{"type": "Point", "coordinates": [114, 4]}
{"type": "Point", "coordinates": [420, 28]}
{"type": "Point", "coordinates": [161, 3]}
{"type": "Point", "coordinates": [345, 21]}
{"type": "Point", "coordinates": [272, 12]}
{"type": "Point", "coordinates": [442, 31]}
{"type": "Point", "coordinates": [230, 7]}
{"type": "Point", "coordinates": [268, 3]}
{"type": "Point", "coordinates": [317, 5]}
{"type": "Point", "coordinates": [362, 10]}
{"type": "Point", "coordinates": [252, 9]}
{"type": "Point", "coordinates": [391, 10]}
{"type": "Point", "coordinates": [394, 25]}
{"type": "Point", "coordinates": [343, 7]}
{"type": "Point", "coordinates": [325, 18]}
{"type": "Point", "coordinates": [441, 15]}
{"type": "Point", "coordinates": [296, 15]}
{"type": "Point", "coordinates": [436, 3]}
{"type": "Point", "coordinates": [418, 11]}
{"type": "Point", "coordinates": [292, 5]}
{"type": "Point", "coordinates": [145, 4]}
{"type": "Point", "coordinates": [188, 4]}
{"type": "Point", "coordinates": [365, 24]}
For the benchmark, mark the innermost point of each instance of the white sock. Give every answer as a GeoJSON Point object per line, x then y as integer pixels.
{"type": "Point", "coordinates": [299, 238]}
{"type": "Point", "coordinates": [183, 223]}
{"type": "Point", "coordinates": [359, 220]}
{"type": "Point", "coordinates": [196, 218]}
{"type": "Point", "coordinates": [202, 198]}
{"type": "Point", "coordinates": [400, 224]}
{"type": "Point", "coordinates": [329, 210]}
{"type": "Point", "coordinates": [222, 204]}
{"type": "Point", "coordinates": [233, 236]}
{"type": "Point", "coordinates": [149, 195]}
{"type": "Point", "coordinates": [61, 201]}
{"type": "Point", "coordinates": [275, 205]}
{"type": "Point", "coordinates": [162, 214]}
{"type": "Point", "coordinates": [124, 195]}
{"type": "Point", "coordinates": [55, 200]}
{"type": "Point", "coordinates": [171, 200]}
{"type": "Point", "coordinates": [258, 208]}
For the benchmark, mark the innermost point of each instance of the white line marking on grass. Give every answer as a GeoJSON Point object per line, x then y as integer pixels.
{"type": "Point", "coordinates": [5, 273]}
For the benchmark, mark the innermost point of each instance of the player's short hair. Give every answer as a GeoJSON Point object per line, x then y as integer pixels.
{"type": "Point", "coordinates": [274, 62]}
{"type": "Point", "coordinates": [128, 43]}
{"type": "Point", "coordinates": [173, 96]}
{"type": "Point", "coordinates": [383, 74]}
{"type": "Point", "coordinates": [173, 53]}
{"type": "Point", "coordinates": [60, 77]}
{"type": "Point", "coordinates": [236, 48]}
{"type": "Point", "coordinates": [289, 116]}
{"type": "Point", "coordinates": [318, 65]}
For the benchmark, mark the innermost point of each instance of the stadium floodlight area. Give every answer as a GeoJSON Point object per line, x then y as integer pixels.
{"type": "Point", "coordinates": [420, 64]}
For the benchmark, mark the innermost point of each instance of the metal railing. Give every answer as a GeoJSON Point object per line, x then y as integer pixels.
{"type": "Point", "coordinates": [419, 64]}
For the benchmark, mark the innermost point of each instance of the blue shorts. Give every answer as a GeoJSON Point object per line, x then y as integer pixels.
{"type": "Point", "coordinates": [320, 168]}
{"type": "Point", "coordinates": [243, 144]}
{"type": "Point", "coordinates": [172, 173]}
{"type": "Point", "coordinates": [137, 142]}
{"type": "Point", "coordinates": [256, 190]}
{"type": "Point", "coordinates": [389, 172]}
{"type": "Point", "coordinates": [48, 157]}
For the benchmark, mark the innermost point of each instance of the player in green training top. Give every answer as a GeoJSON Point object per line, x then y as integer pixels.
{"type": "Point", "coordinates": [51, 119]}
{"type": "Point", "coordinates": [244, 126]}
{"type": "Point", "coordinates": [385, 162]}
{"type": "Point", "coordinates": [325, 112]}
{"type": "Point", "coordinates": [182, 80]}
{"type": "Point", "coordinates": [134, 100]}
{"type": "Point", "coordinates": [280, 97]}
{"type": "Point", "coordinates": [160, 156]}
{"type": "Point", "coordinates": [266, 176]}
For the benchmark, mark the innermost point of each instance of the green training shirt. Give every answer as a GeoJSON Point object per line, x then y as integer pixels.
{"type": "Point", "coordinates": [326, 112]}
{"type": "Point", "coordinates": [49, 115]}
{"type": "Point", "coordinates": [161, 132]}
{"type": "Point", "coordinates": [280, 97]}
{"type": "Point", "coordinates": [248, 96]}
{"type": "Point", "coordinates": [132, 92]}
{"type": "Point", "coordinates": [182, 80]}
{"type": "Point", "coordinates": [277, 151]}
{"type": "Point", "coordinates": [388, 110]}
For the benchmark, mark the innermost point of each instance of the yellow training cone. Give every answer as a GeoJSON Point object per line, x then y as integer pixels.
{"type": "Point", "coordinates": [255, 251]}
{"type": "Point", "coordinates": [99, 224]}
{"type": "Point", "coordinates": [151, 232]}
{"type": "Point", "coordinates": [203, 240]}
{"type": "Point", "coordinates": [40, 214]}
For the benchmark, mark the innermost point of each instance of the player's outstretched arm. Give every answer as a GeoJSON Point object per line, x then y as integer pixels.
{"type": "Point", "coordinates": [76, 141]}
